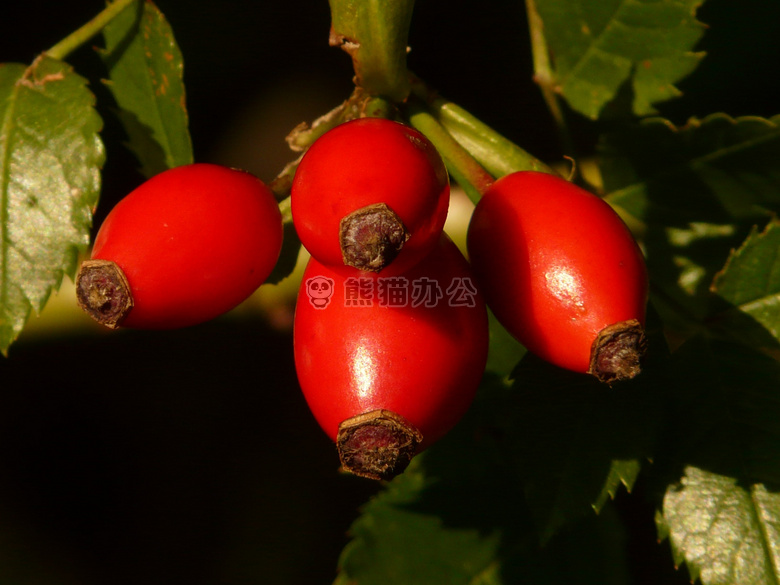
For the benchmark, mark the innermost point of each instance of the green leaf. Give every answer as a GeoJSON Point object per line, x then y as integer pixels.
{"type": "Point", "coordinates": [444, 519]}
{"type": "Point", "coordinates": [716, 170]}
{"type": "Point", "coordinates": [395, 544]}
{"type": "Point", "coordinates": [596, 47]}
{"type": "Point", "coordinates": [726, 532]}
{"type": "Point", "coordinates": [721, 513]}
{"type": "Point", "coordinates": [750, 283]}
{"type": "Point", "coordinates": [577, 441]}
{"type": "Point", "coordinates": [457, 516]}
{"type": "Point", "coordinates": [145, 69]}
{"type": "Point", "coordinates": [288, 257]}
{"type": "Point", "coordinates": [50, 159]}
{"type": "Point", "coordinates": [696, 191]}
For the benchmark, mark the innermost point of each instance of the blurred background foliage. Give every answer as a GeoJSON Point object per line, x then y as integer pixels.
{"type": "Point", "coordinates": [190, 456]}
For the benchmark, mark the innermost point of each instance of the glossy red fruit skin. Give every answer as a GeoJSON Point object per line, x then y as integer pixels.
{"type": "Point", "coordinates": [423, 363]}
{"type": "Point", "coordinates": [556, 265]}
{"type": "Point", "coordinates": [364, 162]}
{"type": "Point", "coordinates": [193, 241]}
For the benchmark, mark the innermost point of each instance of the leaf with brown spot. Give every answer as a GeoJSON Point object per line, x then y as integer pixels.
{"type": "Point", "coordinates": [50, 160]}
{"type": "Point", "coordinates": [145, 69]}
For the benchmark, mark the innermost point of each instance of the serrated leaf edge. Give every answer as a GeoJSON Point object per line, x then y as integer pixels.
{"type": "Point", "coordinates": [678, 553]}
{"type": "Point", "coordinates": [163, 140]}
{"type": "Point", "coordinates": [561, 81]}
{"type": "Point", "coordinates": [691, 125]}
{"type": "Point", "coordinates": [736, 252]}
{"type": "Point", "coordinates": [69, 265]}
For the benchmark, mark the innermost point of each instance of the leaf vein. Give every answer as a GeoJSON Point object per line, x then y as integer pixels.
{"type": "Point", "coordinates": [755, 510]}
{"type": "Point", "coordinates": [591, 51]}
{"type": "Point", "coordinates": [698, 163]}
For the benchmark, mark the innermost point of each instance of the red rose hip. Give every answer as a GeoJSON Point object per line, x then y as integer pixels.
{"type": "Point", "coordinates": [184, 247]}
{"type": "Point", "coordinates": [562, 272]}
{"type": "Point", "coordinates": [388, 365]}
{"type": "Point", "coordinates": [370, 193]}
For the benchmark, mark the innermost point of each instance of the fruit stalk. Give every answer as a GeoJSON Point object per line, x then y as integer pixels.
{"type": "Point", "coordinates": [466, 171]}
{"type": "Point", "coordinates": [544, 76]}
{"type": "Point", "coordinates": [497, 154]}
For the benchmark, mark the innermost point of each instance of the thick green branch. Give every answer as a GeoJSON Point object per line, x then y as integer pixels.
{"type": "Point", "coordinates": [375, 34]}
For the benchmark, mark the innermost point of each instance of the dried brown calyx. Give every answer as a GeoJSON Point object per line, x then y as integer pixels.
{"type": "Point", "coordinates": [103, 292]}
{"type": "Point", "coordinates": [371, 237]}
{"type": "Point", "coordinates": [377, 444]}
{"type": "Point", "coordinates": [617, 351]}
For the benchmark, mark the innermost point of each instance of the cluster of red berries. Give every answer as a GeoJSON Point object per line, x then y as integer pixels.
{"type": "Point", "coordinates": [394, 357]}
{"type": "Point", "coordinates": [390, 330]}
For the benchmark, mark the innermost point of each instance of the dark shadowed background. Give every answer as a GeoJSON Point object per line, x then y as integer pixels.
{"type": "Point", "coordinates": [190, 456]}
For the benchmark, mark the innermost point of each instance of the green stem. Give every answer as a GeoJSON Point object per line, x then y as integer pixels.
{"type": "Point", "coordinates": [375, 34]}
{"type": "Point", "coordinates": [285, 207]}
{"type": "Point", "coordinates": [359, 105]}
{"type": "Point", "coordinates": [83, 34]}
{"type": "Point", "coordinates": [499, 155]}
{"type": "Point", "coordinates": [466, 171]}
{"type": "Point", "coordinates": [377, 107]}
{"type": "Point", "coordinates": [304, 135]}
{"type": "Point", "coordinates": [544, 76]}
{"type": "Point", "coordinates": [281, 187]}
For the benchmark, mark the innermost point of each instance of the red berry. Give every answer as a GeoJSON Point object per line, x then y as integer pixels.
{"type": "Point", "coordinates": [562, 272]}
{"type": "Point", "coordinates": [189, 244]}
{"type": "Point", "coordinates": [389, 378]}
{"type": "Point", "coordinates": [370, 192]}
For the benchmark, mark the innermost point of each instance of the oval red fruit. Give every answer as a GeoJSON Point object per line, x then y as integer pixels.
{"type": "Point", "coordinates": [191, 243]}
{"type": "Point", "coordinates": [408, 349]}
{"type": "Point", "coordinates": [562, 272]}
{"type": "Point", "coordinates": [370, 193]}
